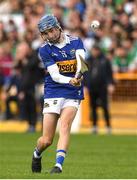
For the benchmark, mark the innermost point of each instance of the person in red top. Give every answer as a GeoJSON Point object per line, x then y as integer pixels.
{"type": "Point", "coordinates": [5, 62]}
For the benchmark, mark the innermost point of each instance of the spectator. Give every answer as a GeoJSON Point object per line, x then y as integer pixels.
{"type": "Point", "coordinates": [120, 61]}
{"type": "Point", "coordinates": [29, 63]}
{"type": "Point", "coordinates": [12, 89]}
{"type": "Point", "coordinates": [100, 84]}
{"type": "Point", "coordinates": [6, 61]}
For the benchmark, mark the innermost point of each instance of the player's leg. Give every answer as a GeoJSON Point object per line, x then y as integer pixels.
{"type": "Point", "coordinates": [66, 118]}
{"type": "Point", "coordinates": [49, 127]}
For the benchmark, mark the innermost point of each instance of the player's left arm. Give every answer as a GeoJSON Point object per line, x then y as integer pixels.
{"type": "Point", "coordinates": [80, 53]}
{"type": "Point", "coordinates": [80, 50]}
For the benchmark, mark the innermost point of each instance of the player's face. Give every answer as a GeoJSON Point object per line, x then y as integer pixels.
{"type": "Point", "coordinates": [51, 35]}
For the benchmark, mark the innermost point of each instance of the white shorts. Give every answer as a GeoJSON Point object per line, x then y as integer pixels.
{"type": "Point", "coordinates": [55, 105]}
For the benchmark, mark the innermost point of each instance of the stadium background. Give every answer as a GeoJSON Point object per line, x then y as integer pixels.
{"type": "Point", "coordinates": [117, 35]}
{"type": "Point", "coordinates": [90, 156]}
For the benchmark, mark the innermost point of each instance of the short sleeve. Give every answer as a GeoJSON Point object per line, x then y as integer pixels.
{"type": "Point", "coordinates": [45, 57]}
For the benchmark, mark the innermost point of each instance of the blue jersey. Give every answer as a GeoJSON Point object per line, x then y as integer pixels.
{"type": "Point", "coordinates": [66, 60]}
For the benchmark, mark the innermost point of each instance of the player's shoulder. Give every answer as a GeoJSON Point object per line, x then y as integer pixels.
{"type": "Point", "coordinates": [44, 48]}
{"type": "Point", "coordinates": [45, 44]}
{"type": "Point", "coordinates": [73, 38]}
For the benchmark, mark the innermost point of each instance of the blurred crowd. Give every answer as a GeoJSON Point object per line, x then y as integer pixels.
{"type": "Point", "coordinates": [19, 37]}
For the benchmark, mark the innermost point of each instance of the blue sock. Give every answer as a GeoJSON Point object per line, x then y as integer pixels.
{"type": "Point", "coordinates": [60, 156]}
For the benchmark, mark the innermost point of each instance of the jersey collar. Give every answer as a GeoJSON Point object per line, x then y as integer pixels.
{"type": "Point", "coordinates": [66, 40]}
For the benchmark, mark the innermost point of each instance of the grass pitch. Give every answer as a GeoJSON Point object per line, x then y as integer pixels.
{"type": "Point", "coordinates": [89, 157]}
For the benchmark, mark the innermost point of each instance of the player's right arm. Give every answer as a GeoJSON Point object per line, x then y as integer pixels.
{"type": "Point", "coordinates": [57, 77]}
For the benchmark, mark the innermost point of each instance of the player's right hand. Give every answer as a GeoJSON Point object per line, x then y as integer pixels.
{"type": "Point", "coordinates": [76, 81]}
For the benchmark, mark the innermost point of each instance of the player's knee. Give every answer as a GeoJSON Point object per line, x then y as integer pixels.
{"type": "Point", "coordinates": [48, 142]}
{"type": "Point", "coordinates": [44, 142]}
{"type": "Point", "coordinates": [65, 127]}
